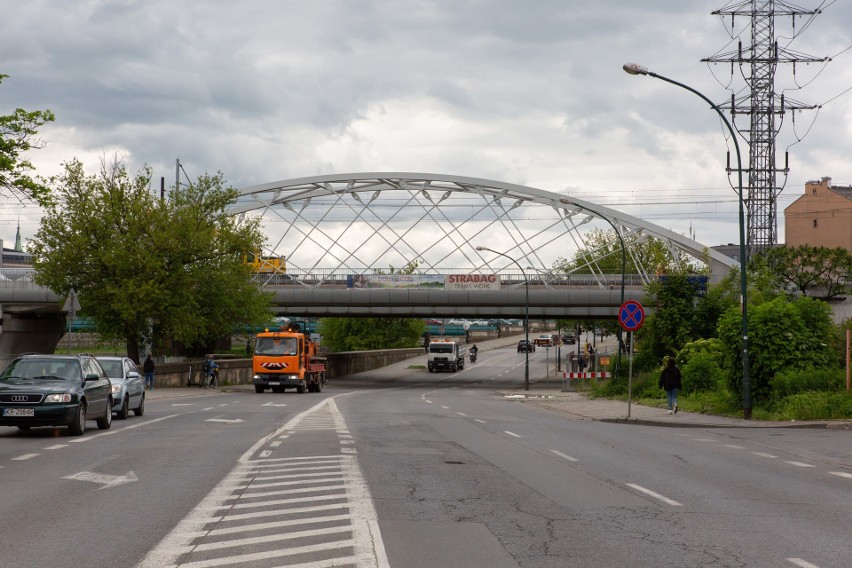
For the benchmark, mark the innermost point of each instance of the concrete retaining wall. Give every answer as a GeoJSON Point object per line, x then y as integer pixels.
{"type": "Point", "coordinates": [238, 371]}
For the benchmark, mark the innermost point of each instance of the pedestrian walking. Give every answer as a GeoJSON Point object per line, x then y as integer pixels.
{"type": "Point", "coordinates": [670, 382]}
{"type": "Point", "coordinates": [148, 369]}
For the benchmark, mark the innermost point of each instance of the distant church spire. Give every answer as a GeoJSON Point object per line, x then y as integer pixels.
{"type": "Point", "coordinates": [18, 238]}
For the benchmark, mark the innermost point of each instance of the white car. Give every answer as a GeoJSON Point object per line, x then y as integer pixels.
{"type": "Point", "coordinates": [128, 389]}
{"type": "Point", "coordinates": [462, 322]}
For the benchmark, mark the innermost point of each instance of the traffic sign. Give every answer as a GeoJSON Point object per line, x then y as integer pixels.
{"type": "Point", "coordinates": [631, 314]}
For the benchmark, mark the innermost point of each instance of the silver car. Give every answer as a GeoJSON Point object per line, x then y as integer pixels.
{"type": "Point", "coordinates": [128, 390]}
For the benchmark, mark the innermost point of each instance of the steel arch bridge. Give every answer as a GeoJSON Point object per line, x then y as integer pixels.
{"type": "Point", "coordinates": [331, 228]}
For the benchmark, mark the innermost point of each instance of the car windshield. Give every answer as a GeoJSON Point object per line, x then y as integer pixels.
{"type": "Point", "coordinates": [440, 348]}
{"type": "Point", "coordinates": [275, 346]}
{"type": "Point", "coordinates": [113, 368]}
{"type": "Point", "coordinates": [35, 368]}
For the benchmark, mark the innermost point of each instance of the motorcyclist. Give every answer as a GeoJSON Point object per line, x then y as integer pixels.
{"type": "Point", "coordinates": [473, 351]}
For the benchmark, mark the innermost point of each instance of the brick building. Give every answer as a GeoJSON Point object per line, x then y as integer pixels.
{"type": "Point", "coordinates": [822, 217]}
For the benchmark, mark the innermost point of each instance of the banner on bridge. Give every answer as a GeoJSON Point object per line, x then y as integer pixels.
{"type": "Point", "coordinates": [472, 282]}
{"type": "Point", "coordinates": [394, 281]}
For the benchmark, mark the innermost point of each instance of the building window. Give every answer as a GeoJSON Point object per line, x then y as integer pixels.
{"type": "Point", "coordinates": [815, 223]}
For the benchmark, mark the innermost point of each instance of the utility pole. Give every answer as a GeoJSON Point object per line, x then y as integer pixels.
{"type": "Point", "coordinates": [755, 112]}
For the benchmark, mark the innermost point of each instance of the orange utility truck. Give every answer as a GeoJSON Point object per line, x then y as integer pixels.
{"type": "Point", "coordinates": [287, 359]}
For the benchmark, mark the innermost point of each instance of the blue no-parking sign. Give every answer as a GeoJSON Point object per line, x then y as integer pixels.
{"type": "Point", "coordinates": [631, 314]}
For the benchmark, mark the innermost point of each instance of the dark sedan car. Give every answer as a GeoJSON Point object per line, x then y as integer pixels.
{"type": "Point", "coordinates": [55, 390]}
{"type": "Point", "coordinates": [524, 345]}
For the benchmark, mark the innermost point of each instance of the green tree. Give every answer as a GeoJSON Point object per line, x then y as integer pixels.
{"type": "Point", "coordinates": [806, 269]}
{"type": "Point", "coordinates": [364, 334]}
{"type": "Point", "coordinates": [17, 136]}
{"type": "Point", "coordinates": [146, 269]}
{"type": "Point", "coordinates": [603, 255]}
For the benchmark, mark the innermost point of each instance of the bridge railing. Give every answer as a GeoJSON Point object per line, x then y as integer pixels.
{"type": "Point", "coordinates": [334, 278]}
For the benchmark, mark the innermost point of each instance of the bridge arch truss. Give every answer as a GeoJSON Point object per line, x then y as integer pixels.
{"type": "Point", "coordinates": [331, 227]}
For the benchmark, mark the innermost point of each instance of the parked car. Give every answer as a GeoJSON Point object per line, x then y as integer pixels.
{"type": "Point", "coordinates": [569, 339]}
{"type": "Point", "coordinates": [525, 345]}
{"type": "Point", "coordinates": [462, 322]}
{"type": "Point", "coordinates": [55, 390]}
{"type": "Point", "coordinates": [128, 388]}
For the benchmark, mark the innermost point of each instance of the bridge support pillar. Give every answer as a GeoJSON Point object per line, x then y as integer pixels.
{"type": "Point", "coordinates": [22, 332]}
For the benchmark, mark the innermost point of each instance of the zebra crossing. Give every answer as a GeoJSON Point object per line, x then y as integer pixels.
{"type": "Point", "coordinates": [288, 502]}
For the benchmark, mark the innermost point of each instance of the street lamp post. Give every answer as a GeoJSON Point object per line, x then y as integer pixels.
{"type": "Point", "coordinates": [526, 314]}
{"type": "Point", "coordinates": [634, 69]}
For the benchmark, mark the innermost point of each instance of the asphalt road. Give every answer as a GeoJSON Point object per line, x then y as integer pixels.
{"type": "Point", "coordinates": [405, 468]}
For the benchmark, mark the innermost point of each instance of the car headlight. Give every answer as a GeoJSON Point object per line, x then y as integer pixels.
{"type": "Point", "coordinates": [116, 389]}
{"type": "Point", "coordinates": [63, 397]}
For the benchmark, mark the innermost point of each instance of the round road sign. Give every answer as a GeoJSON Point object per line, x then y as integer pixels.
{"type": "Point", "coordinates": [631, 315]}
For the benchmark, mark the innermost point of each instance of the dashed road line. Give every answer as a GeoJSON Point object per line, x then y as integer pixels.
{"type": "Point", "coordinates": [841, 474]}
{"type": "Point", "coordinates": [513, 434]}
{"type": "Point", "coordinates": [655, 495]}
{"type": "Point", "coordinates": [799, 464]}
{"type": "Point", "coordinates": [801, 563]}
{"type": "Point", "coordinates": [564, 456]}
{"type": "Point", "coordinates": [25, 457]}
{"type": "Point", "coordinates": [765, 455]}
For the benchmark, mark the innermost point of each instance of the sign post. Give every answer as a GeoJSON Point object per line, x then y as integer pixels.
{"type": "Point", "coordinates": [631, 314]}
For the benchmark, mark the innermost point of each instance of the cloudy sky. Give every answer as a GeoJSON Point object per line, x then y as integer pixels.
{"type": "Point", "coordinates": [528, 92]}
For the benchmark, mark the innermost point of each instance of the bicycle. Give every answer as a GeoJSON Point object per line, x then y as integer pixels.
{"type": "Point", "coordinates": [211, 379]}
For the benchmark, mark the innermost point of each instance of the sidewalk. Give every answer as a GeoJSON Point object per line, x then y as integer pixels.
{"type": "Point", "coordinates": [579, 407]}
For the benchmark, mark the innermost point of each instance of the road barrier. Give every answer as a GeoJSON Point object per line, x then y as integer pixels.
{"type": "Point", "coordinates": [567, 377]}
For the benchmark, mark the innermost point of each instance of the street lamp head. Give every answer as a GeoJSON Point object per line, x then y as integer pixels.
{"type": "Point", "coordinates": [634, 69]}
{"type": "Point", "coordinates": [481, 248]}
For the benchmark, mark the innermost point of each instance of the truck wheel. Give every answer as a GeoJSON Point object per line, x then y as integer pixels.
{"type": "Point", "coordinates": [318, 385]}
{"type": "Point", "coordinates": [258, 389]}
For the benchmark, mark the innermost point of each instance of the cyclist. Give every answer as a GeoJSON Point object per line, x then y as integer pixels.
{"type": "Point", "coordinates": [211, 372]}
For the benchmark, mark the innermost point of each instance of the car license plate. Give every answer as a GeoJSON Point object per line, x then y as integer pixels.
{"type": "Point", "coordinates": [18, 412]}
{"type": "Point", "coordinates": [274, 383]}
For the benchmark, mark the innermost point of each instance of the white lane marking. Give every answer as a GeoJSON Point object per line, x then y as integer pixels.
{"type": "Point", "coordinates": [705, 440]}
{"type": "Point", "coordinates": [104, 479]}
{"type": "Point", "coordinates": [799, 464]}
{"type": "Point", "coordinates": [841, 474]}
{"type": "Point", "coordinates": [429, 401]}
{"type": "Point", "coordinates": [265, 453]}
{"type": "Point", "coordinates": [25, 457]}
{"type": "Point", "coordinates": [56, 446]}
{"type": "Point", "coordinates": [564, 456]}
{"type": "Point", "coordinates": [461, 413]}
{"type": "Point", "coordinates": [183, 404]}
{"type": "Point", "coordinates": [763, 455]}
{"type": "Point", "coordinates": [360, 542]}
{"type": "Point", "coordinates": [226, 420]}
{"type": "Point", "coordinates": [646, 491]}
{"type": "Point", "coordinates": [445, 407]}
{"type": "Point", "coordinates": [273, 404]}
{"type": "Point", "coordinates": [801, 563]}
{"type": "Point", "coordinates": [209, 408]}
{"type": "Point", "coordinates": [117, 431]}
{"type": "Point", "coordinates": [734, 446]}
{"type": "Point", "coordinates": [513, 434]}
{"type": "Point", "coordinates": [274, 444]}
{"type": "Point", "coordinates": [478, 420]}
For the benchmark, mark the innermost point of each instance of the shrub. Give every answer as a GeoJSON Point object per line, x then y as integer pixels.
{"type": "Point", "coordinates": [796, 381]}
{"type": "Point", "coordinates": [815, 406]}
{"type": "Point", "coordinates": [701, 372]}
{"type": "Point", "coordinates": [712, 346]}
